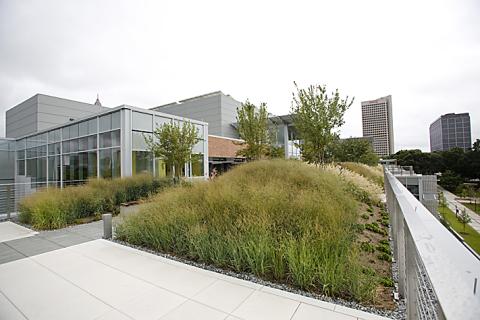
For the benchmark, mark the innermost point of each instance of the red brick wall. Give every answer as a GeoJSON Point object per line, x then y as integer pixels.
{"type": "Point", "coordinates": [223, 147]}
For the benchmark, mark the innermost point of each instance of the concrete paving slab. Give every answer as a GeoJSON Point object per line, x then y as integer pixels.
{"type": "Point", "coordinates": [261, 305]}
{"type": "Point", "coordinates": [41, 294]}
{"type": "Point", "coordinates": [224, 296]}
{"type": "Point", "coordinates": [193, 310]}
{"type": "Point", "coordinates": [308, 312]}
{"type": "Point", "coordinates": [8, 254]}
{"type": "Point", "coordinates": [32, 246]}
{"type": "Point", "coordinates": [11, 231]}
{"type": "Point", "coordinates": [103, 280]}
{"type": "Point", "coordinates": [8, 310]}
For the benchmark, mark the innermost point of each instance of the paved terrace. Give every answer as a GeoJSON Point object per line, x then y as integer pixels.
{"type": "Point", "coordinates": [53, 277]}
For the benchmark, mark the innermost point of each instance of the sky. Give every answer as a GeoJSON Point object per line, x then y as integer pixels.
{"type": "Point", "coordinates": [426, 54]}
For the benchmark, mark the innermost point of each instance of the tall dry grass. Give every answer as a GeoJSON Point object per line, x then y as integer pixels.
{"type": "Point", "coordinates": [55, 208]}
{"type": "Point", "coordinates": [372, 173]}
{"type": "Point", "coordinates": [280, 220]}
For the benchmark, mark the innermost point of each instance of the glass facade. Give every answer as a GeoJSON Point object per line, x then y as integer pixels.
{"type": "Point", "coordinates": [94, 147]}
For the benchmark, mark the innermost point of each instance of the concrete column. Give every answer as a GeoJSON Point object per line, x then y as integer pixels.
{"type": "Point", "coordinates": [126, 142]}
{"type": "Point", "coordinates": [285, 139]}
{"type": "Point", "coordinates": [107, 225]}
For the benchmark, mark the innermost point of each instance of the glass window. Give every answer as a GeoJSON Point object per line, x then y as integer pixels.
{"type": "Point", "coordinates": [161, 169]}
{"type": "Point", "coordinates": [83, 144]}
{"type": "Point", "coordinates": [20, 145]}
{"type": "Point", "coordinates": [159, 121]}
{"type": "Point", "coordinates": [51, 149]}
{"type": "Point", "coordinates": [92, 164]}
{"type": "Point", "coordinates": [74, 145]}
{"type": "Point", "coordinates": [116, 120]}
{"type": "Point", "coordinates": [106, 163]}
{"type": "Point", "coordinates": [92, 142]}
{"type": "Point", "coordinates": [41, 169]}
{"type": "Point", "coordinates": [54, 168]}
{"type": "Point", "coordinates": [21, 167]}
{"type": "Point", "coordinates": [116, 138]}
{"type": "Point", "coordinates": [42, 138]}
{"type": "Point", "coordinates": [199, 130]}
{"type": "Point", "coordinates": [116, 169]}
{"type": "Point", "coordinates": [198, 148]}
{"type": "Point", "coordinates": [83, 166]}
{"type": "Point", "coordinates": [20, 154]}
{"type": "Point", "coordinates": [74, 131]}
{"type": "Point", "coordinates": [142, 162]}
{"type": "Point", "coordinates": [57, 148]}
{"type": "Point", "coordinates": [141, 121]}
{"type": "Point", "coordinates": [66, 168]}
{"type": "Point", "coordinates": [32, 168]}
{"type": "Point", "coordinates": [197, 165]}
{"type": "Point", "coordinates": [31, 152]}
{"type": "Point", "coordinates": [42, 151]}
{"type": "Point", "coordinates": [105, 140]}
{"type": "Point", "coordinates": [74, 167]}
{"type": "Point", "coordinates": [65, 133]}
{"type": "Point", "coordinates": [83, 128]}
{"type": "Point", "coordinates": [138, 140]}
{"type": "Point", "coordinates": [92, 126]}
{"type": "Point", "coordinates": [105, 122]}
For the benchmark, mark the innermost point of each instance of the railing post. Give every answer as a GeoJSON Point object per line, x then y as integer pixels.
{"type": "Point", "coordinates": [9, 190]}
{"type": "Point", "coordinates": [411, 277]}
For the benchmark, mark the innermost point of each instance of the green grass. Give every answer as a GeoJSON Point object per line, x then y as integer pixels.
{"type": "Point", "coordinates": [55, 208]}
{"type": "Point", "coordinates": [470, 235]}
{"type": "Point", "coordinates": [280, 220]}
{"type": "Point", "coordinates": [471, 206]}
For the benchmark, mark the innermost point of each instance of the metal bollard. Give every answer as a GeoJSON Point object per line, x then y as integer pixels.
{"type": "Point", "coordinates": [107, 225]}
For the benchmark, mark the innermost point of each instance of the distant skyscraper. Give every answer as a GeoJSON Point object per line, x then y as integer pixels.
{"type": "Point", "coordinates": [449, 131]}
{"type": "Point", "coordinates": [377, 123]}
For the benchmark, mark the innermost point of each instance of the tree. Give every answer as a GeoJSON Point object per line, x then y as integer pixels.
{"type": "Point", "coordinates": [316, 116]}
{"type": "Point", "coordinates": [173, 144]}
{"type": "Point", "coordinates": [476, 146]}
{"type": "Point", "coordinates": [464, 218]}
{"type": "Point", "coordinates": [450, 180]}
{"type": "Point", "coordinates": [254, 130]}
{"type": "Point", "coordinates": [355, 150]}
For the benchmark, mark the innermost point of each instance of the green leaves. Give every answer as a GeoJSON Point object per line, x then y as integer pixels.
{"type": "Point", "coordinates": [254, 130]}
{"type": "Point", "coordinates": [316, 115]}
{"type": "Point", "coordinates": [173, 144]}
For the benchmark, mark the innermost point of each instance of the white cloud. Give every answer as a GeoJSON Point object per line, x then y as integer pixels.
{"type": "Point", "coordinates": [146, 53]}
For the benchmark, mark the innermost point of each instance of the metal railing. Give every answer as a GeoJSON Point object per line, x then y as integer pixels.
{"type": "Point", "coordinates": [12, 193]}
{"type": "Point", "coordinates": [438, 276]}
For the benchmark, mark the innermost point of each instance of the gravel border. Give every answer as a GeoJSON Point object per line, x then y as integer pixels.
{"type": "Point", "coordinates": [397, 314]}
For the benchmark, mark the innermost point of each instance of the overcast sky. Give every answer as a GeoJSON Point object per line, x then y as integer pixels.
{"type": "Point", "coordinates": [426, 54]}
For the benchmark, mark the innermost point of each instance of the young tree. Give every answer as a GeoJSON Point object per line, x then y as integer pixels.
{"type": "Point", "coordinates": [253, 129]}
{"type": "Point", "coordinates": [316, 116]}
{"type": "Point", "coordinates": [355, 150]}
{"type": "Point", "coordinates": [464, 218]}
{"type": "Point", "coordinates": [173, 144]}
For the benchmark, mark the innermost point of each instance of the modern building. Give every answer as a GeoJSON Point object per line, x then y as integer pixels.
{"type": "Point", "coordinates": [108, 143]}
{"type": "Point", "coordinates": [377, 123]}
{"type": "Point", "coordinates": [451, 131]}
{"type": "Point", "coordinates": [219, 110]}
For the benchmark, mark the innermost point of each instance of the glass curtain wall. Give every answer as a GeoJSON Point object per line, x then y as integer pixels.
{"type": "Point", "coordinates": [143, 160]}
{"type": "Point", "coordinates": [72, 154]}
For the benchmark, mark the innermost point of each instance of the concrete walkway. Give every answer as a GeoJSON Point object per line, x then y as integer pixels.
{"type": "Point", "coordinates": [104, 280]}
{"type": "Point", "coordinates": [452, 202]}
{"type": "Point", "coordinates": [44, 241]}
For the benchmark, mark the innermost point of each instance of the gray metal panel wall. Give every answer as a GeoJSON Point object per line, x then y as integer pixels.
{"type": "Point", "coordinates": [22, 119]}
{"type": "Point", "coordinates": [54, 111]}
{"type": "Point", "coordinates": [229, 115]}
{"type": "Point", "coordinates": [205, 109]}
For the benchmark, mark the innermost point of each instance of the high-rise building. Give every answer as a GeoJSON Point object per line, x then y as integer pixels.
{"type": "Point", "coordinates": [451, 131]}
{"type": "Point", "coordinates": [377, 123]}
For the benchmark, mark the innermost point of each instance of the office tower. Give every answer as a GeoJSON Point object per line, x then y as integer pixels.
{"type": "Point", "coordinates": [451, 131]}
{"type": "Point", "coordinates": [377, 123]}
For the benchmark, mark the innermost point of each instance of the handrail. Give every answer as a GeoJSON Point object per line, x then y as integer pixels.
{"type": "Point", "coordinates": [438, 276]}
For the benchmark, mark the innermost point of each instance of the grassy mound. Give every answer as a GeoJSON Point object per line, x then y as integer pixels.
{"type": "Point", "coordinates": [54, 208]}
{"type": "Point", "coordinates": [280, 220]}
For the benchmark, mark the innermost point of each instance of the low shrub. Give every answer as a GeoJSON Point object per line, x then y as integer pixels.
{"type": "Point", "coordinates": [385, 256]}
{"type": "Point", "coordinates": [387, 281]}
{"type": "Point", "coordinates": [277, 219]}
{"type": "Point", "coordinates": [365, 216]}
{"type": "Point", "coordinates": [384, 248]}
{"type": "Point", "coordinates": [55, 208]}
{"type": "Point", "coordinates": [367, 247]}
{"type": "Point", "coordinates": [374, 227]}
